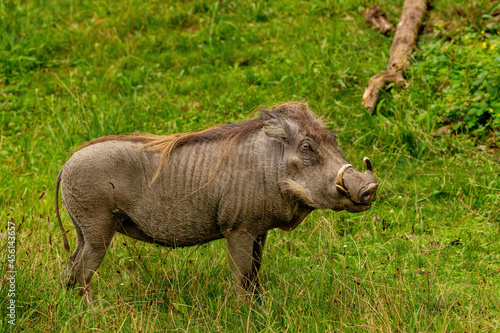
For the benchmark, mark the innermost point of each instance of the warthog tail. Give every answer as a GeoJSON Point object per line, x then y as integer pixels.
{"type": "Point", "coordinates": [65, 240]}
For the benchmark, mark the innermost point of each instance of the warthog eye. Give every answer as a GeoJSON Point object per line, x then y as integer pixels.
{"type": "Point", "coordinates": [305, 146]}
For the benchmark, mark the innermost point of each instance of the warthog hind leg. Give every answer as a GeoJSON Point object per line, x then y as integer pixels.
{"type": "Point", "coordinates": [94, 230]}
{"type": "Point", "coordinates": [68, 275]}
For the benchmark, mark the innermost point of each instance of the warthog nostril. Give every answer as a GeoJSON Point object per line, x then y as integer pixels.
{"type": "Point", "coordinates": [370, 194]}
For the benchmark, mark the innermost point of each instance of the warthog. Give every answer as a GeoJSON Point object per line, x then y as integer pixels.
{"type": "Point", "coordinates": [235, 182]}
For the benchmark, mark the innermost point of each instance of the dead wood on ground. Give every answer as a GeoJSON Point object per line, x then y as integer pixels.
{"type": "Point", "coordinates": [377, 19]}
{"type": "Point", "coordinates": [404, 44]}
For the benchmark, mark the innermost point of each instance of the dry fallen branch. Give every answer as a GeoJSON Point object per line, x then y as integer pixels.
{"type": "Point", "coordinates": [402, 47]}
{"type": "Point", "coordinates": [376, 18]}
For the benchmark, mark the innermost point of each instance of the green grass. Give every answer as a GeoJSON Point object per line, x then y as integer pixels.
{"type": "Point", "coordinates": [425, 258]}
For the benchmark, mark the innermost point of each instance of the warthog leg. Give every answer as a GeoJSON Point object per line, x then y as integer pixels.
{"type": "Point", "coordinates": [94, 250]}
{"type": "Point", "coordinates": [245, 254]}
{"type": "Point", "coordinates": [68, 275]}
{"type": "Point", "coordinates": [95, 229]}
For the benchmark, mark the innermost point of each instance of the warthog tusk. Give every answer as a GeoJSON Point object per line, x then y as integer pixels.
{"type": "Point", "coordinates": [368, 163]}
{"type": "Point", "coordinates": [340, 179]}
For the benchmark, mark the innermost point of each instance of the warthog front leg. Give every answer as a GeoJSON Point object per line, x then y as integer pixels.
{"type": "Point", "coordinates": [245, 254]}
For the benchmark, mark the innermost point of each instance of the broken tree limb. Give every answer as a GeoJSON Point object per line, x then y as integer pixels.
{"type": "Point", "coordinates": [377, 19]}
{"type": "Point", "coordinates": [404, 44]}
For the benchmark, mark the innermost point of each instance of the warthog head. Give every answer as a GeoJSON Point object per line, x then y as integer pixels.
{"type": "Point", "coordinates": [314, 169]}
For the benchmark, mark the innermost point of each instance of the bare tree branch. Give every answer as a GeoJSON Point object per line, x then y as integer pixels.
{"type": "Point", "coordinates": [377, 19]}
{"type": "Point", "coordinates": [403, 46]}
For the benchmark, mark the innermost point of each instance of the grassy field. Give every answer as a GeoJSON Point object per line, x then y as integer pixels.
{"type": "Point", "coordinates": [425, 258]}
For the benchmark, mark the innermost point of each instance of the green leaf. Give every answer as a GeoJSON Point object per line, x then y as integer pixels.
{"type": "Point", "coordinates": [472, 111]}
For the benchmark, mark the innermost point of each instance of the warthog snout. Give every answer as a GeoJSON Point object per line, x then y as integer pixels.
{"type": "Point", "coordinates": [361, 188]}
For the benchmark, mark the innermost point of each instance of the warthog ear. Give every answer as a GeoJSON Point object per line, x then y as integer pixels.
{"type": "Point", "coordinates": [276, 126]}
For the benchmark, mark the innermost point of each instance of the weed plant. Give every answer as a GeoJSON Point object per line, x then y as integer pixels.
{"type": "Point", "coordinates": [425, 258]}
